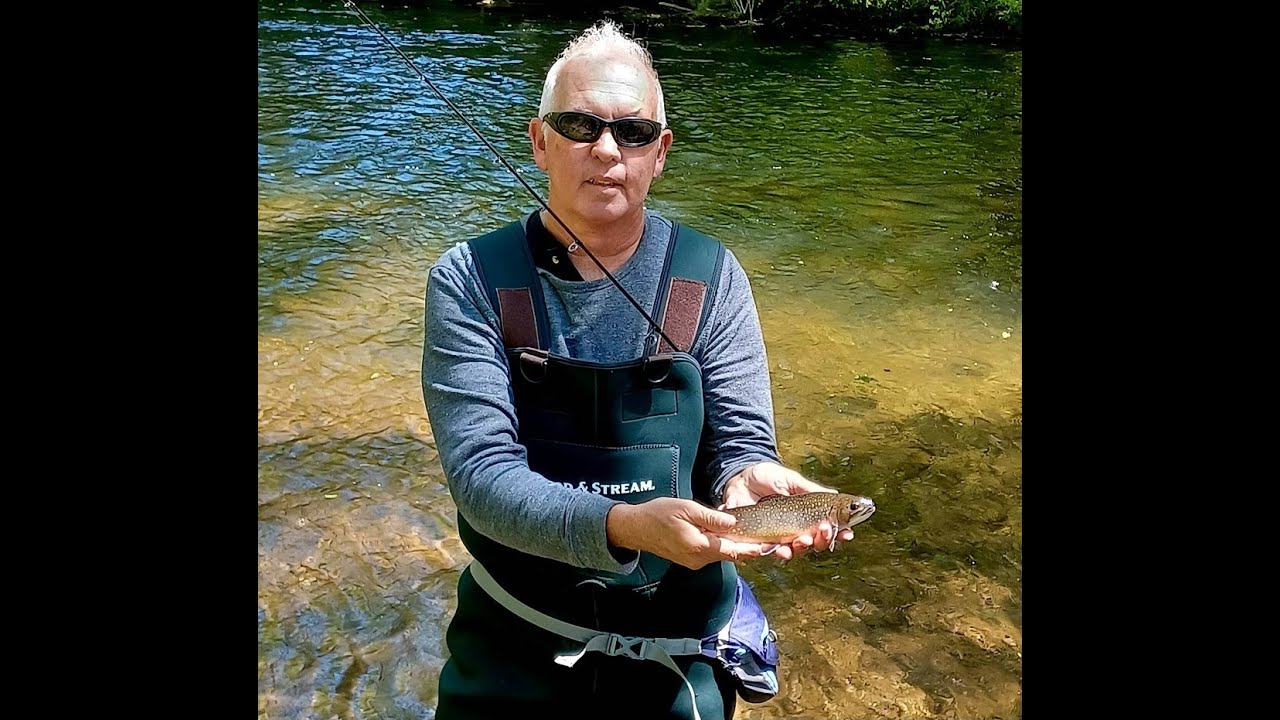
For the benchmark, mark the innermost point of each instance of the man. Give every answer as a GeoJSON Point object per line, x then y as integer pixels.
{"type": "Point", "coordinates": [586, 445]}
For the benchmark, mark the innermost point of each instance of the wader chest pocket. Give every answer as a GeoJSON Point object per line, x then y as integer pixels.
{"type": "Point", "coordinates": [648, 403]}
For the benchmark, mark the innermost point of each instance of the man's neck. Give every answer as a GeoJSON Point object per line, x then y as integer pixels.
{"type": "Point", "coordinates": [612, 244]}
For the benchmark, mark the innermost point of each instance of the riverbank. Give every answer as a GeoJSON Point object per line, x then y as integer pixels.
{"type": "Point", "coordinates": [998, 21]}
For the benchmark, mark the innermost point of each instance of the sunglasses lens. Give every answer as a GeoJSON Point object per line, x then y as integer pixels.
{"type": "Point", "coordinates": [579, 127]}
{"type": "Point", "coordinates": [635, 132]}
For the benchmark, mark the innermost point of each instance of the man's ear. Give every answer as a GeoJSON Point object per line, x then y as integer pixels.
{"type": "Point", "coordinates": [539, 142]}
{"type": "Point", "coordinates": [664, 144]}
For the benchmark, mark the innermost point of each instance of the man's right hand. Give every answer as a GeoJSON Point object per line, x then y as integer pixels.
{"type": "Point", "coordinates": [681, 531]}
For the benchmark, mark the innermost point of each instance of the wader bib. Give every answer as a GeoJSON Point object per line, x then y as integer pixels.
{"type": "Point", "coordinates": [531, 632]}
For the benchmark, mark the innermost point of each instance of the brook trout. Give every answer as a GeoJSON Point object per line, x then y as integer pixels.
{"type": "Point", "coordinates": [779, 519]}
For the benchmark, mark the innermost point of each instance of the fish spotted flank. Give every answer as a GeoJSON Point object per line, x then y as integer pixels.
{"type": "Point", "coordinates": [782, 518]}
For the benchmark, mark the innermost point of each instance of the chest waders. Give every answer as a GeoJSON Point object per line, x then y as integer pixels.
{"type": "Point", "coordinates": [630, 431]}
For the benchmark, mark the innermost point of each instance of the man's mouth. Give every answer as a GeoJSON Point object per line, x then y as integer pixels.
{"type": "Point", "coordinates": [603, 183]}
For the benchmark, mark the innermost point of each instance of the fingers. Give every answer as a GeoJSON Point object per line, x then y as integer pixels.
{"type": "Point", "coordinates": [800, 484]}
{"type": "Point", "coordinates": [711, 520]}
{"type": "Point", "coordinates": [799, 546]}
{"type": "Point", "coordinates": [826, 535]}
{"type": "Point", "coordinates": [736, 498]}
{"type": "Point", "coordinates": [737, 492]}
{"type": "Point", "coordinates": [716, 549]}
{"type": "Point", "coordinates": [820, 538]}
{"type": "Point", "coordinates": [785, 481]}
{"type": "Point", "coordinates": [732, 550]}
{"type": "Point", "coordinates": [825, 538]}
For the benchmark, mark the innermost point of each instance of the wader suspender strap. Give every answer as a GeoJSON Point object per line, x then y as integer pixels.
{"type": "Point", "coordinates": [507, 272]}
{"type": "Point", "coordinates": [659, 650]}
{"type": "Point", "coordinates": [689, 276]}
{"type": "Point", "coordinates": [691, 273]}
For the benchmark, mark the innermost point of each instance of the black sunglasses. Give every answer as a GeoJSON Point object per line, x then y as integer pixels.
{"type": "Point", "coordinates": [585, 127]}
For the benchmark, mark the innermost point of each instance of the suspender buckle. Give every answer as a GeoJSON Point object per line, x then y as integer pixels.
{"type": "Point", "coordinates": [656, 368]}
{"type": "Point", "coordinates": [533, 365]}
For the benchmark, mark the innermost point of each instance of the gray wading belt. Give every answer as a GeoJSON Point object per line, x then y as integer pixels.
{"type": "Point", "coordinates": [659, 650]}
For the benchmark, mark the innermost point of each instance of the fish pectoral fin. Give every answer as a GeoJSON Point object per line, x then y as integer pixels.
{"type": "Point", "coordinates": [769, 550]}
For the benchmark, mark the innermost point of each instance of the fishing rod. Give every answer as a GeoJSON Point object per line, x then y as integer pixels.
{"type": "Point", "coordinates": [576, 244]}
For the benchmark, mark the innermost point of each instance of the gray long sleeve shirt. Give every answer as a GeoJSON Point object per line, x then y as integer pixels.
{"type": "Point", "coordinates": [467, 390]}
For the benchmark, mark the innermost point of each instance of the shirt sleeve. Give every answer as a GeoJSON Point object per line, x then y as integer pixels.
{"type": "Point", "coordinates": [736, 387]}
{"type": "Point", "coordinates": [466, 388]}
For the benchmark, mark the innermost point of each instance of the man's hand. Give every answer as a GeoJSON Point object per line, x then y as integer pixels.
{"type": "Point", "coordinates": [681, 531]}
{"type": "Point", "coordinates": [766, 478]}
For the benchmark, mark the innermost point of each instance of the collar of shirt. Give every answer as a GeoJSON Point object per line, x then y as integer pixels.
{"type": "Point", "coordinates": [547, 252]}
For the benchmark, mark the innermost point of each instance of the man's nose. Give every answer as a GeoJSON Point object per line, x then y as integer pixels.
{"type": "Point", "coordinates": [605, 148]}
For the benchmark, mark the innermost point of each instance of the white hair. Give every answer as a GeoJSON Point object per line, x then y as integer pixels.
{"type": "Point", "coordinates": [601, 38]}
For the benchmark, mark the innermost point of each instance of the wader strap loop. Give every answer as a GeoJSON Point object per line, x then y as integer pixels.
{"type": "Point", "coordinates": [659, 650]}
{"type": "Point", "coordinates": [687, 287]}
{"type": "Point", "coordinates": [683, 313]}
{"type": "Point", "coordinates": [507, 274]}
{"type": "Point", "coordinates": [515, 308]}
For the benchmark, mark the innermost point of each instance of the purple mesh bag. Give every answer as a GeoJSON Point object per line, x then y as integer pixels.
{"type": "Point", "coordinates": [747, 648]}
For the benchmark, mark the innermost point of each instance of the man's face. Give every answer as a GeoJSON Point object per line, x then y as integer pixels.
{"type": "Point", "coordinates": [600, 182]}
